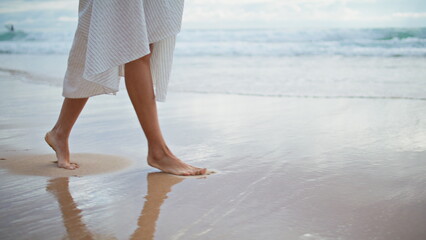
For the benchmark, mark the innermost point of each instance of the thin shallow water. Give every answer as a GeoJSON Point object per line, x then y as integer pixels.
{"type": "Point", "coordinates": [297, 77]}
{"type": "Point", "coordinates": [288, 168]}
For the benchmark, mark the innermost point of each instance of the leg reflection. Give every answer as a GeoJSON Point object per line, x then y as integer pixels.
{"type": "Point", "coordinates": [159, 184]}
{"type": "Point", "coordinates": [71, 215]}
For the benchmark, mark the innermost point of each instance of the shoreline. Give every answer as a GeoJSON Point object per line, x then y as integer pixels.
{"type": "Point", "coordinates": [323, 76]}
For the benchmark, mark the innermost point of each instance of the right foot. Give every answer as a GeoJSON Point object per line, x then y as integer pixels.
{"type": "Point", "coordinates": [169, 163]}
{"type": "Point", "coordinates": [61, 149]}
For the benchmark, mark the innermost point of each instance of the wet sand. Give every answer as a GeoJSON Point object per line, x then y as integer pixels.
{"type": "Point", "coordinates": [46, 164]}
{"type": "Point", "coordinates": [287, 168]}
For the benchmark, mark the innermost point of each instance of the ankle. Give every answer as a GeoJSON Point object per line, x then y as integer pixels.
{"type": "Point", "coordinates": [158, 151]}
{"type": "Point", "coordinates": [57, 134]}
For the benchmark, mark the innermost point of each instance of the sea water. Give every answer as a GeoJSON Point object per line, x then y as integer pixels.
{"type": "Point", "coordinates": [360, 63]}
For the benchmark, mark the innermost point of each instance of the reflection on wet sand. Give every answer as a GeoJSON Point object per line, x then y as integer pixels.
{"type": "Point", "coordinates": [71, 215]}
{"type": "Point", "coordinates": [159, 185]}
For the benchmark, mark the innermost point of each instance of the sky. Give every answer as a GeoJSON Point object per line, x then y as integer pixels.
{"type": "Point", "coordinates": [220, 14]}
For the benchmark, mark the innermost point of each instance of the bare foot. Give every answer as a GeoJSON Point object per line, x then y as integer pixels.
{"type": "Point", "coordinates": [61, 149]}
{"type": "Point", "coordinates": [167, 162]}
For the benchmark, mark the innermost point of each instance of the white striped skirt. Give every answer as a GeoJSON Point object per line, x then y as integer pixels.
{"type": "Point", "coordinates": [111, 33]}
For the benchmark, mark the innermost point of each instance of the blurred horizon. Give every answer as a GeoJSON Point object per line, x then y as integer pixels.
{"type": "Point", "coordinates": [62, 15]}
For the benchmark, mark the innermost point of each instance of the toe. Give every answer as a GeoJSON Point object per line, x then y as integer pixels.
{"type": "Point", "coordinates": [200, 171]}
{"type": "Point", "coordinates": [195, 172]}
{"type": "Point", "coordinates": [71, 167]}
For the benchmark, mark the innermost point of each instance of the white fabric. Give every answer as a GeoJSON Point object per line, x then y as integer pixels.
{"type": "Point", "coordinates": [111, 33]}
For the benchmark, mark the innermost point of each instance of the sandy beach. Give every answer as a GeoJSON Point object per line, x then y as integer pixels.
{"type": "Point", "coordinates": [286, 168]}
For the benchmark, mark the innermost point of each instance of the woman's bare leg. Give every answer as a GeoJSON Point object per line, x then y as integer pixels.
{"type": "Point", "coordinates": [140, 88]}
{"type": "Point", "coordinates": [57, 138]}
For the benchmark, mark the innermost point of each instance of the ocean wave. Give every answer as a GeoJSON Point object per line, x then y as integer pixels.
{"type": "Point", "coordinates": [251, 35]}
{"type": "Point", "coordinates": [302, 35]}
{"type": "Point", "coordinates": [25, 36]}
{"type": "Point", "coordinates": [13, 36]}
{"type": "Point", "coordinates": [384, 42]}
